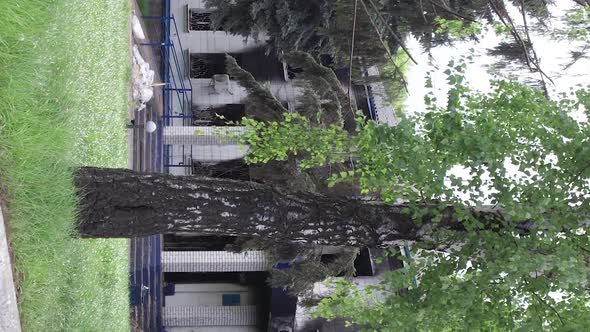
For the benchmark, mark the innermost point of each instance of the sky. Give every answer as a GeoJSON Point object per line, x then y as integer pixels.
{"type": "Point", "coordinates": [554, 56]}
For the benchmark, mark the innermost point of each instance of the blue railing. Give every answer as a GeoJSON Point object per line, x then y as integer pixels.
{"type": "Point", "coordinates": [371, 102]}
{"type": "Point", "coordinates": [183, 93]}
{"type": "Point", "coordinates": [407, 252]}
{"type": "Point", "coordinates": [175, 65]}
{"type": "Point", "coordinates": [177, 92]}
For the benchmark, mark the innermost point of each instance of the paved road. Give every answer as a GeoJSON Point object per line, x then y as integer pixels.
{"type": "Point", "coordinates": [9, 318]}
{"type": "Point", "coordinates": [145, 267]}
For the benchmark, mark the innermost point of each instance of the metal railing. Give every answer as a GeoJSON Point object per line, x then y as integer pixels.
{"type": "Point", "coordinates": [177, 91]}
{"type": "Point", "coordinates": [371, 102]}
{"type": "Point", "coordinates": [183, 93]}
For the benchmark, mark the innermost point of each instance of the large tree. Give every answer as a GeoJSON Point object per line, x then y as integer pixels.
{"type": "Point", "coordinates": [492, 189]}
{"type": "Point", "coordinates": [511, 149]}
{"type": "Point", "coordinates": [497, 183]}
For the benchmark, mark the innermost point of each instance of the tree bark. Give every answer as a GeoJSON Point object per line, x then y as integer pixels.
{"type": "Point", "coordinates": [124, 203]}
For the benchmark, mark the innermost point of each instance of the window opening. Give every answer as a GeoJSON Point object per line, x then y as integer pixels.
{"type": "Point", "coordinates": [230, 299]}
{"type": "Point", "coordinates": [205, 65]}
{"type": "Point", "coordinates": [199, 21]}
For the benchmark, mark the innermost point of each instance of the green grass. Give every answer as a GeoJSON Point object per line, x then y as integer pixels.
{"type": "Point", "coordinates": [64, 75]}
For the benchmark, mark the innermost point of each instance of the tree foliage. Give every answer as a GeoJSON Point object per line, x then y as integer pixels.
{"type": "Point", "coordinates": [511, 150]}
{"type": "Point", "coordinates": [306, 264]}
{"type": "Point", "coordinates": [289, 24]}
{"type": "Point", "coordinates": [319, 27]}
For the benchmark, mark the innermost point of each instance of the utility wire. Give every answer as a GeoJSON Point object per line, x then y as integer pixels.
{"type": "Point", "coordinates": [397, 38]}
{"type": "Point", "coordinates": [391, 57]}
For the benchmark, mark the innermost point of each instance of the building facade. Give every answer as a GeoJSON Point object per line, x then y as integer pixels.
{"type": "Point", "coordinates": [206, 288]}
{"type": "Point", "coordinates": [204, 91]}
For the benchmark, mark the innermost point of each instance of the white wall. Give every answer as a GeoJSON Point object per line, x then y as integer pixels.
{"type": "Point", "coordinates": [200, 42]}
{"type": "Point", "coordinates": [204, 94]}
{"type": "Point", "coordinates": [208, 316]}
{"type": "Point", "coordinates": [214, 261]}
{"type": "Point", "coordinates": [213, 42]}
{"type": "Point", "coordinates": [205, 153]}
{"type": "Point", "coordinates": [385, 111]}
{"type": "Point", "coordinates": [209, 294]}
{"type": "Point", "coordinates": [203, 135]}
{"type": "Point", "coordinates": [209, 41]}
{"type": "Point", "coordinates": [213, 329]}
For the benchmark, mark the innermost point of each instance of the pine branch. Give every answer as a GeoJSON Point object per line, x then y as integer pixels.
{"type": "Point", "coordinates": [266, 106]}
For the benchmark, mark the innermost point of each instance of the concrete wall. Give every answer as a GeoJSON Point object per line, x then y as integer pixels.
{"type": "Point", "coordinates": [208, 41]}
{"type": "Point", "coordinates": [220, 42]}
{"type": "Point", "coordinates": [204, 42]}
{"type": "Point", "coordinates": [202, 135]}
{"type": "Point", "coordinates": [204, 153]}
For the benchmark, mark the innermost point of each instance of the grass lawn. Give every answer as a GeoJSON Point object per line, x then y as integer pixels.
{"type": "Point", "coordinates": [64, 73]}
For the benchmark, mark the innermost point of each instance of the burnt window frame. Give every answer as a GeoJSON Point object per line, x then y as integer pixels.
{"type": "Point", "coordinates": [205, 23]}
{"type": "Point", "coordinates": [205, 65]}
{"type": "Point", "coordinates": [211, 63]}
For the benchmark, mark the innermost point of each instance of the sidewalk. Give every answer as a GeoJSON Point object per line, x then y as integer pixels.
{"type": "Point", "coordinates": [145, 155]}
{"type": "Point", "coordinates": [9, 318]}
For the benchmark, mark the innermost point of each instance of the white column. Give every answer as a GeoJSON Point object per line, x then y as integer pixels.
{"type": "Point", "coordinates": [214, 261]}
{"type": "Point", "coordinates": [205, 144]}
{"type": "Point", "coordinates": [243, 315]}
{"type": "Point", "coordinates": [202, 135]}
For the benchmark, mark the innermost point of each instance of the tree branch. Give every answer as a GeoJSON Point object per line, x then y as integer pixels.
{"type": "Point", "coordinates": [393, 33]}
{"type": "Point", "coordinates": [391, 57]}
{"type": "Point", "coordinates": [542, 301]}
{"type": "Point", "coordinates": [506, 20]}
{"type": "Point", "coordinates": [268, 108]}
{"type": "Point", "coordinates": [450, 11]}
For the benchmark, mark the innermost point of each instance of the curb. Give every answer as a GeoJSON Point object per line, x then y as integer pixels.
{"type": "Point", "coordinates": [9, 316]}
